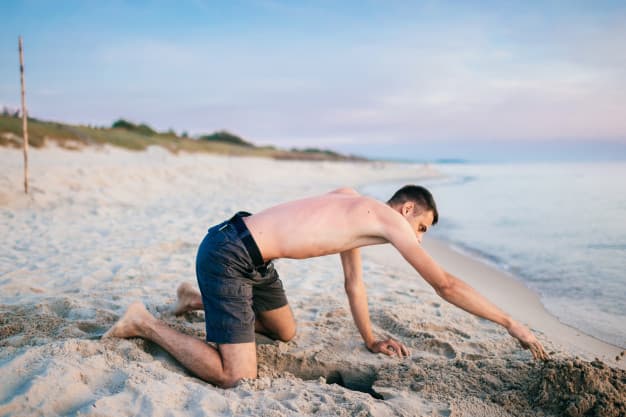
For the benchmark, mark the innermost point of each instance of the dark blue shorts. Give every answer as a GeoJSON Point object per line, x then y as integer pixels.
{"type": "Point", "coordinates": [233, 289]}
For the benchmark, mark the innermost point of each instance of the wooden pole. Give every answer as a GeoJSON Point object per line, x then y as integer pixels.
{"type": "Point", "coordinates": [24, 117]}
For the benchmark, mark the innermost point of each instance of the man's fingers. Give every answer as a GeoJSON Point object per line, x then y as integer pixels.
{"type": "Point", "coordinates": [405, 351]}
{"type": "Point", "coordinates": [538, 354]}
{"type": "Point", "coordinates": [391, 347]}
{"type": "Point", "coordinates": [538, 351]}
{"type": "Point", "coordinates": [544, 354]}
{"type": "Point", "coordinates": [399, 348]}
{"type": "Point", "coordinates": [395, 347]}
{"type": "Point", "coordinates": [528, 341]}
{"type": "Point", "coordinates": [383, 347]}
{"type": "Point", "coordinates": [386, 350]}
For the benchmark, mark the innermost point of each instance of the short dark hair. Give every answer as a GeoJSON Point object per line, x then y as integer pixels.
{"type": "Point", "coordinates": [417, 194]}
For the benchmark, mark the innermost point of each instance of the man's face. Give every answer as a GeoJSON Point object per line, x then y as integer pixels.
{"type": "Point", "coordinates": [420, 223]}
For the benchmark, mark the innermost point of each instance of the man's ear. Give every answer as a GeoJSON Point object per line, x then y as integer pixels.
{"type": "Point", "coordinates": [408, 208]}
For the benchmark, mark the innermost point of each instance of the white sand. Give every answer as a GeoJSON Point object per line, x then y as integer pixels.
{"type": "Point", "coordinates": [104, 227]}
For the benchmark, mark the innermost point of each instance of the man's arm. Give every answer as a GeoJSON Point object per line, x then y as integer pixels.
{"type": "Point", "coordinates": [464, 296]}
{"type": "Point", "coordinates": [357, 296]}
{"type": "Point", "coordinates": [454, 290]}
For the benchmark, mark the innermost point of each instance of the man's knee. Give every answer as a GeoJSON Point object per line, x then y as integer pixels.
{"type": "Point", "coordinates": [287, 333]}
{"type": "Point", "coordinates": [229, 380]}
{"type": "Point", "coordinates": [238, 362]}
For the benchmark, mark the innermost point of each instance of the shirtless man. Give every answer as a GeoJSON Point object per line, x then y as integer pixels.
{"type": "Point", "coordinates": [241, 293]}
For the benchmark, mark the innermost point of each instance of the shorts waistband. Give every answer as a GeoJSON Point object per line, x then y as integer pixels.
{"type": "Point", "coordinates": [246, 238]}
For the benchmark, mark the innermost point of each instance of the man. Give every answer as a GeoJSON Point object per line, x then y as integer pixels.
{"type": "Point", "coordinates": [241, 293]}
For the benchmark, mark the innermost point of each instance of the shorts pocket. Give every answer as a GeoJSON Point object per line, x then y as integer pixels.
{"type": "Point", "coordinates": [233, 313]}
{"type": "Point", "coordinates": [227, 302]}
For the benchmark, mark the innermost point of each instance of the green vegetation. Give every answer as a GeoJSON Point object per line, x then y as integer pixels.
{"type": "Point", "coordinates": [128, 135]}
{"type": "Point", "coordinates": [327, 152]}
{"type": "Point", "coordinates": [142, 129]}
{"type": "Point", "coordinates": [11, 127]}
{"type": "Point", "coordinates": [226, 137]}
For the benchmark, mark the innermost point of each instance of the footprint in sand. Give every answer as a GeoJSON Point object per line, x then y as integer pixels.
{"type": "Point", "coordinates": [438, 347]}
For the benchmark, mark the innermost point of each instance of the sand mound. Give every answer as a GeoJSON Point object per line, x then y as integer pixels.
{"type": "Point", "coordinates": [560, 387]}
{"type": "Point", "coordinates": [578, 388]}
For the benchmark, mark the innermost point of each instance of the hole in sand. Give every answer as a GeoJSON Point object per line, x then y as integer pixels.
{"type": "Point", "coordinates": [348, 375]}
{"type": "Point", "coordinates": [361, 383]}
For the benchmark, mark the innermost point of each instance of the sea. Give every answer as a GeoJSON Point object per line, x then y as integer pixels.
{"type": "Point", "coordinates": [560, 228]}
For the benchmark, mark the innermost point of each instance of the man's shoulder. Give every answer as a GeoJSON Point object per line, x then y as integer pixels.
{"type": "Point", "coordinates": [354, 201]}
{"type": "Point", "coordinates": [345, 190]}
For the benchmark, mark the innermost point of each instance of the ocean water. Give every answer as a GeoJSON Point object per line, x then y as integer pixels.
{"type": "Point", "coordinates": [560, 228]}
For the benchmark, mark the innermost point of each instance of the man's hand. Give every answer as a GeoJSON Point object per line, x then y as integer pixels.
{"type": "Point", "coordinates": [527, 340]}
{"type": "Point", "coordinates": [389, 347]}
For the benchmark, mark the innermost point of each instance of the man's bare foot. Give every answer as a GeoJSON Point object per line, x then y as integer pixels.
{"type": "Point", "coordinates": [188, 299]}
{"type": "Point", "coordinates": [131, 323]}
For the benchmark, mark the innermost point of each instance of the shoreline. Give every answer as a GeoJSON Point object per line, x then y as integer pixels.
{"type": "Point", "coordinates": [511, 295]}
{"type": "Point", "coordinates": [456, 247]}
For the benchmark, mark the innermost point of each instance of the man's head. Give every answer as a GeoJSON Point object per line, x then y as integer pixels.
{"type": "Point", "coordinates": [417, 205]}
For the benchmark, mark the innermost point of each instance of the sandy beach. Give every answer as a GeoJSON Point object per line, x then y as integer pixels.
{"type": "Point", "coordinates": [104, 227]}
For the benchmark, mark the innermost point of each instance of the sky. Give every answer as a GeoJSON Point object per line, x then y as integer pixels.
{"type": "Point", "coordinates": [478, 80]}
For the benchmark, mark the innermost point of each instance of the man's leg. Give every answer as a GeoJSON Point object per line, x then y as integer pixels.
{"type": "Point", "coordinates": [278, 323]}
{"type": "Point", "coordinates": [223, 367]}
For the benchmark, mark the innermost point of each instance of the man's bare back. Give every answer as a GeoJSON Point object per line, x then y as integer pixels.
{"type": "Point", "coordinates": [338, 222]}
{"type": "Point", "coordinates": [320, 225]}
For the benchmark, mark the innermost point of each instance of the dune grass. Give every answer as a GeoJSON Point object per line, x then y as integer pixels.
{"type": "Point", "coordinates": [77, 136]}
